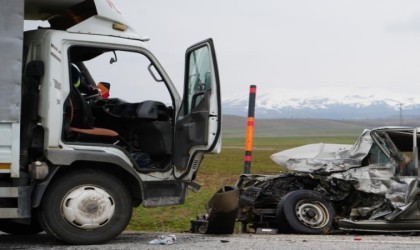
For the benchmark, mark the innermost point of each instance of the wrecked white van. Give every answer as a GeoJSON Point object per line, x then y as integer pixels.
{"type": "Point", "coordinates": [372, 185]}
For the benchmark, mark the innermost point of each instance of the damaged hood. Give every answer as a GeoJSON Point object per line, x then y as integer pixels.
{"type": "Point", "coordinates": [325, 158]}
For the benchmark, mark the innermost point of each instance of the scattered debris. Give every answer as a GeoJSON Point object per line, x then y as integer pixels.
{"type": "Point", "coordinates": [266, 231]}
{"type": "Point", "coordinates": [164, 240]}
{"type": "Point", "coordinates": [222, 212]}
{"type": "Point", "coordinates": [200, 224]}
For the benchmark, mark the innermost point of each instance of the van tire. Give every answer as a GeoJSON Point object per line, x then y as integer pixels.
{"type": "Point", "coordinates": [306, 212]}
{"type": "Point", "coordinates": [86, 207]}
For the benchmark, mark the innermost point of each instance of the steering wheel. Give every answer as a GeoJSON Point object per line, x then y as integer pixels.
{"type": "Point", "coordinates": [90, 97]}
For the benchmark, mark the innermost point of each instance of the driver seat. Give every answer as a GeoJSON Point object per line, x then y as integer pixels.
{"type": "Point", "coordinates": [81, 120]}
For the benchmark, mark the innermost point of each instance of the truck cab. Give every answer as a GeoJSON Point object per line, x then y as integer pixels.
{"type": "Point", "coordinates": [101, 126]}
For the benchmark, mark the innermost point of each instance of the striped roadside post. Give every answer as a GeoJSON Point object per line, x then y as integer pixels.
{"type": "Point", "coordinates": [250, 130]}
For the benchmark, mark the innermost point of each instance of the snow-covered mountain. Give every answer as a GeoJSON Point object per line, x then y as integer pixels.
{"type": "Point", "coordinates": [328, 103]}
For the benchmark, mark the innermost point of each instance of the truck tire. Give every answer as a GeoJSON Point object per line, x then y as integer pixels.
{"type": "Point", "coordinates": [86, 207]}
{"type": "Point", "coordinates": [305, 211]}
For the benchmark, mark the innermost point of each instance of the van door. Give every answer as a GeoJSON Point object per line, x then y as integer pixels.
{"type": "Point", "coordinates": [198, 124]}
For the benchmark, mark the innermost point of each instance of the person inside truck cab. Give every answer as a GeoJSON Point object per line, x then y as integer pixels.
{"type": "Point", "coordinates": [80, 120]}
{"type": "Point", "coordinates": [81, 113]}
{"type": "Point", "coordinates": [79, 82]}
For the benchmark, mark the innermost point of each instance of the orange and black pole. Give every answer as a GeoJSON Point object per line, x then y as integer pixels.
{"type": "Point", "coordinates": [250, 130]}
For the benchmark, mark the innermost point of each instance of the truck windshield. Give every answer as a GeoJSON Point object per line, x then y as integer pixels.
{"type": "Point", "coordinates": [128, 75]}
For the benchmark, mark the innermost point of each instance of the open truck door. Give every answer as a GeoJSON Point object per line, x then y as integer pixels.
{"type": "Point", "coordinates": [198, 124]}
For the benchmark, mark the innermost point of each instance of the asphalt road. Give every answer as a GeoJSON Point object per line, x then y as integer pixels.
{"type": "Point", "coordinates": [139, 240]}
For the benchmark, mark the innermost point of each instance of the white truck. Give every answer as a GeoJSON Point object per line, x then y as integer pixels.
{"type": "Point", "coordinates": [75, 164]}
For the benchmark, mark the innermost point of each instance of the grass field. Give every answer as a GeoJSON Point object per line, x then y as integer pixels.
{"type": "Point", "coordinates": [216, 171]}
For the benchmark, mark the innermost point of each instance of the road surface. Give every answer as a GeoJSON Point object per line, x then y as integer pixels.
{"type": "Point", "coordinates": [140, 240]}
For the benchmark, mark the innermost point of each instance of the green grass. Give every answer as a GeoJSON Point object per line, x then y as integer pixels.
{"type": "Point", "coordinates": [216, 171]}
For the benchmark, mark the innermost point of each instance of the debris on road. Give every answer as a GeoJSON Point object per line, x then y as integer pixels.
{"type": "Point", "coordinates": [222, 213]}
{"type": "Point", "coordinates": [164, 240]}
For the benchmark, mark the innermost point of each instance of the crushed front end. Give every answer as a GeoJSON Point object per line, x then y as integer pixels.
{"type": "Point", "coordinates": [370, 186]}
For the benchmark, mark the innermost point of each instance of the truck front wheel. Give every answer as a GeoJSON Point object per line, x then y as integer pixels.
{"type": "Point", "coordinates": [86, 207]}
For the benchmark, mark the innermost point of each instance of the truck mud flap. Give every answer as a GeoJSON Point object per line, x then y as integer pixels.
{"type": "Point", "coordinates": [223, 210]}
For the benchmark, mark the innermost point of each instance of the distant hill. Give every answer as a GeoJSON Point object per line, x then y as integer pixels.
{"type": "Point", "coordinates": [234, 126]}
{"type": "Point", "coordinates": [326, 103]}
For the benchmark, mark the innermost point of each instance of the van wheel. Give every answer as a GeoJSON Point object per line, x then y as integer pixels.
{"type": "Point", "coordinates": [305, 211]}
{"type": "Point", "coordinates": [86, 207]}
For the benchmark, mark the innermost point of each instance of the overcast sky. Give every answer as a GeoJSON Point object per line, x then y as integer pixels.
{"type": "Point", "coordinates": [293, 44]}
{"type": "Point", "coordinates": [289, 44]}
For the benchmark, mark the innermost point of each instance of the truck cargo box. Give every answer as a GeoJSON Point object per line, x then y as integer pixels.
{"type": "Point", "coordinates": [11, 44]}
